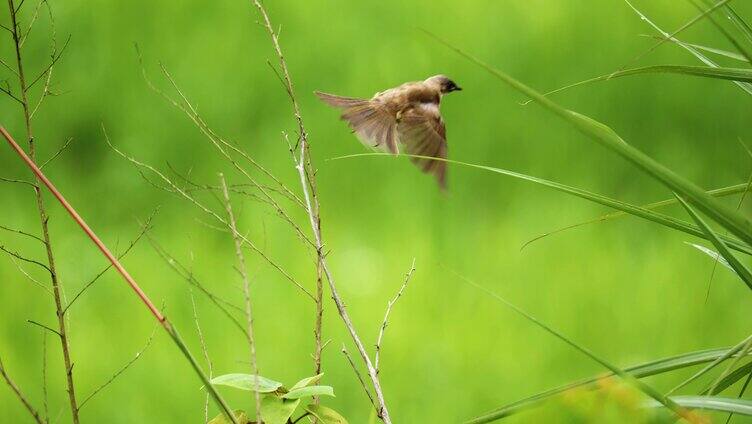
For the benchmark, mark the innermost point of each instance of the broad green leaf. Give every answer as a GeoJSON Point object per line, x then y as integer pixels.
{"type": "Point", "coordinates": [276, 410]}
{"type": "Point", "coordinates": [241, 416]}
{"type": "Point", "coordinates": [741, 270]}
{"type": "Point", "coordinates": [646, 369]}
{"type": "Point", "coordinates": [631, 209]}
{"type": "Point", "coordinates": [712, 403]}
{"type": "Point", "coordinates": [732, 220]}
{"type": "Point", "coordinates": [307, 382]}
{"type": "Point", "coordinates": [326, 415]}
{"type": "Point", "coordinates": [713, 254]}
{"type": "Point", "coordinates": [309, 391]}
{"type": "Point", "coordinates": [247, 382]}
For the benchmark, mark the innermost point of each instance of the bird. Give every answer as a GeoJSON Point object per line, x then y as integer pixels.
{"type": "Point", "coordinates": [407, 115]}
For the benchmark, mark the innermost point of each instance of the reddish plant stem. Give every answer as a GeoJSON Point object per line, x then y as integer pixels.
{"type": "Point", "coordinates": [168, 327]}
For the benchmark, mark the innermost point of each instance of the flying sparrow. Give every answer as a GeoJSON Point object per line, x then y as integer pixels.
{"type": "Point", "coordinates": [407, 115]}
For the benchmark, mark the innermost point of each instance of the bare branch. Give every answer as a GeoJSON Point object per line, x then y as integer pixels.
{"type": "Point", "coordinates": [307, 176]}
{"type": "Point", "coordinates": [21, 397]}
{"type": "Point", "coordinates": [246, 290]}
{"type": "Point", "coordinates": [388, 311]}
{"type": "Point", "coordinates": [49, 67]}
{"type": "Point", "coordinates": [120, 371]}
{"type": "Point", "coordinates": [210, 212]}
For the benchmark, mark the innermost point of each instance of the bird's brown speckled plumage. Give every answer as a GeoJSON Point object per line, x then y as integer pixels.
{"type": "Point", "coordinates": [407, 115]}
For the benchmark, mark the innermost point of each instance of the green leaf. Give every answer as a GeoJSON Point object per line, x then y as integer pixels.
{"type": "Point", "coordinates": [718, 192]}
{"type": "Point", "coordinates": [307, 382]}
{"type": "Point", "coordinates": [309, 391]}
{"type": "Point", "coordinates": [696, 53]}
{"type": "Point", "coordinates": [275, 410]}
{"type": "Point", "coordinates": [247, 382]}
{"type": "Point", "coordinates": [732, 220]}
{"type": "Point", "coordinates": [326, 415]}
{"type": "Point", "coordinates": [731, 378]}
{"type": "Point", "coordinates": [741, 270]}
{"type": "Point", "coordinates": [241, 416]}
{"type": "Point", "coordinates": [720, 52]}
{"type": "Point", "coordinates": [713, 254]}
{"type": "Point", "coordinates": [646, 369]}
{"type": "Point", "coordinates": [722, 404]}
{"type": "Point", "coordinates": [631, 209]}
{"type": "Point", "coordinates": [732, 74]}
{"type": "Point", "coordinates": [624, 375]}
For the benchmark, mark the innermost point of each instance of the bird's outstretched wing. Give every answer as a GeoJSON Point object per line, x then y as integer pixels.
{"type": "Point", "coordinates": [369, 120]}
{"type": "Point", "coordinates": [421, 130]}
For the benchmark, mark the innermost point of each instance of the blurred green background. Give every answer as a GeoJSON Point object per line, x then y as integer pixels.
{"type": "Point", "coordinates": [629, 290]}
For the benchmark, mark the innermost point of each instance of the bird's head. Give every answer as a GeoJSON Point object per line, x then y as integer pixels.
{"type": "Point", "coordinates": [443, 84]}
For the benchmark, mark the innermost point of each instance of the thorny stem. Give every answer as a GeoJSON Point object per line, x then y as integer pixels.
{"type": "Point", "coordinates": [43, 218]}
{"type": "Point", "coordinates": [308, 182]}
{"type": "Point", "coordinates": [166, 325]}
{"type": "Point", "coordinates": [246, 291]}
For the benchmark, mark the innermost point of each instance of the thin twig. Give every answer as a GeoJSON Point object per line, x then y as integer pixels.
{"type": "Point", "coordinates": [25, 259]}
{"type": "Point", "coordinates": [45, 327]}
{"type": "Point", "coordinates": [15, 181]}
{"type": "Point", "coordinates": [120, 371]}
{"type": "Point", "coordinates": [27, 234]}
{"type": "Point", "coordinates": [21, 397]}
{"type": "Point", "coordinates": [208, 211]}
{"type": "Point", "coordinates": [236, 237]}
{"type": "Point", "coordinates": [191, 279]}
{"type": "Point", "coordinates": [207, 358]}
{"type": "Point", "coordinates": [44, 378]}
{"type": "Point", "coordinates": [30, 278]}
{"type": "Point", "coordinates": [57, 289]}
{"type": "Point", "coordinates": [357, 374]}
{"type": "Point", "coordinates": [59, 151]}
{"type": "Point", "coordinates": [307, 176]}
{"type": "Point", "coordinates": [144, 229]}
{"type": "Point", "coordinates": [389, 306]}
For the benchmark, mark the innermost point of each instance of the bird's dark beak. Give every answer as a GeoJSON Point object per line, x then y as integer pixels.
{"type": "Point", "coordinates": [457, 88]}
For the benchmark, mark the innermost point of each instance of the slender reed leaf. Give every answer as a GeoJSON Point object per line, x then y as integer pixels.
{"type": "Point", "coordinates": [710, 403]}
{"type": "Point", "coordinates": [628, 378]}
{"type": "Point", "coordinates": [638, 211]}
{"type": "Point", "coordinates": [733, 74]}
{"type": "Point", "coordinates": [730, 219]}
{"type": "Point", "coordinates": [719, 192]}
{"type": "Point", "coordinates": [646, 369]}
{"type": "Point", "coordinates": [741, 270]}
{"type": "Point", "coordinates": [696, 53]}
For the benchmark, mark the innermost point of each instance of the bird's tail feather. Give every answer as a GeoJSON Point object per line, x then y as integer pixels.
{"type": "Point", "coordinates": [340, 101]}
{"type": "Point", "coordinates": [373, 126]}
